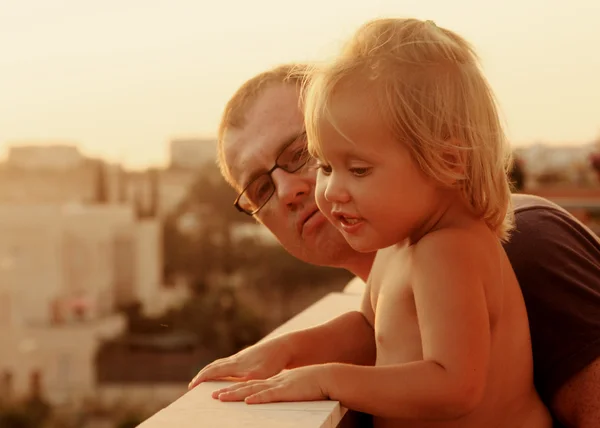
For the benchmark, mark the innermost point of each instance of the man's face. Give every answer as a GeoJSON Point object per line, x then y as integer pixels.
{"type": "Point", "coordinates": [291, 214]}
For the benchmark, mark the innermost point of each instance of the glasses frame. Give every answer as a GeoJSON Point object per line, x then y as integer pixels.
{"type": "Point", "coordinates": [269, 173]}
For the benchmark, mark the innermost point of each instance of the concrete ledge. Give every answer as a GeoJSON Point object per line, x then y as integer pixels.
{"type": "Point", "coordinates": [355, 286]}
{"type": "Point", "coordinates": [197, 408]}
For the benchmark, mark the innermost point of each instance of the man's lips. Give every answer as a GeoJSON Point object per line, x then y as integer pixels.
{"type": "Point", "coordinates": [310, 216]}
{"type": "Point", "coordinates": [305, 220]}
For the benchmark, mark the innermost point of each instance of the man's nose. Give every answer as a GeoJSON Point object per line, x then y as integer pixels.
{"type": "Point", "coordinates": [291, 188]}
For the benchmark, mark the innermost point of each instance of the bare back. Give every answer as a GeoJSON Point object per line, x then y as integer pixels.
{"type": "Point", "coordinates": [413, 323]}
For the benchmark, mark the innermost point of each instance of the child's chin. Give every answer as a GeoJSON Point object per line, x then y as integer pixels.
{"type": "Point", "coordinates": [362, 246]}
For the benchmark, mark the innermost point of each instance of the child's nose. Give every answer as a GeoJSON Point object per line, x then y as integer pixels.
{"type": "Point", "coordinates": [336, 191]}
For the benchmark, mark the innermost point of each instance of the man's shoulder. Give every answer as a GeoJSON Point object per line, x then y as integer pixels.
{"type": "Point", "coordinates": [547, 237]}
{"type": "Point", "coordinates": [557, 262]}
{"type": "Point", "coordinates": [524, 202]}
{"type": "Point", "coordinates": [539, 220]}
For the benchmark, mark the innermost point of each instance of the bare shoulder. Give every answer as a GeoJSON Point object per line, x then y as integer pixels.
{"type": "Point", "coordinates": [463, 261]}
{"type": "Point", "coordinates": [455, 246]}
{"type": "Point", "coordinates": [449, 250]}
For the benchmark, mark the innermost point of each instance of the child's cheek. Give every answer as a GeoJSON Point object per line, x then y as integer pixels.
{"type": "Point", "coordinates": [320, 187]}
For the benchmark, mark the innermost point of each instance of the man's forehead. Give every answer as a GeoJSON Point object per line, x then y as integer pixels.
{"type": "Point", "coordinates": [270, 123]}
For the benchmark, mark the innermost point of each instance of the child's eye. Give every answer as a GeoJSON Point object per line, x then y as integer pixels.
{"type": "Point", "coordinates": [360, 172]}
{"type": "Point", "coordinates": [325, 169]}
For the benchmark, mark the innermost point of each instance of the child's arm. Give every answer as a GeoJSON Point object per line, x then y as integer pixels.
{"type": "Point", "coordinates": [348, 338]}
{"type": "Point", "coordinates": [455, 332]}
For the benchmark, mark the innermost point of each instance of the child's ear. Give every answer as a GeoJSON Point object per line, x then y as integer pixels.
{"type": "Point", "coordinates": [455, 161]}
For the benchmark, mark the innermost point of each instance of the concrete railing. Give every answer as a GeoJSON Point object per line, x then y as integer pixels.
{"type": "Point", "coordinates": [197, 408]}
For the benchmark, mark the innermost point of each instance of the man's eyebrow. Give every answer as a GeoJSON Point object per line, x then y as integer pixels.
{"type": "Point", "coordinates": [282, 146]}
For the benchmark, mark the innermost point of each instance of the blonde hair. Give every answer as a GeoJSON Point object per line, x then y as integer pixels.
{"type": "Point", "coordinates": [434, 98]}
{"type": "Point", "coordinates": [236, 109]}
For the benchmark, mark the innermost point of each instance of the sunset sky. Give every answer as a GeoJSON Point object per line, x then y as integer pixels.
{"type": "Point", "coordinates": [120, 78]}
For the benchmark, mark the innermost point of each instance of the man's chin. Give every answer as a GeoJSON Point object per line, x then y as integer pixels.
{"type": "Point", "coordinates": [327, 247]}
{"type": "Point", "coordinates": [318, 229]}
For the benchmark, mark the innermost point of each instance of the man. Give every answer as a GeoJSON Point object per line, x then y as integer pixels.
{"type": "Point", "coordinates": [556, 259]}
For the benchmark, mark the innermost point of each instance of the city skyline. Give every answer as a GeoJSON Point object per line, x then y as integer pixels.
{"type": "Point", "coordinates": [120, 81]}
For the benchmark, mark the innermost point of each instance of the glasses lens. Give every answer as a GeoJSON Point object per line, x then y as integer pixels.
{"type": "Point", "coordinates": [256, 194]}
{"type": "Point", "coordinates": [295, 155]}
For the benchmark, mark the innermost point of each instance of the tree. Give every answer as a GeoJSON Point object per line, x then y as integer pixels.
{"type": "Point", "coordinates": [122, 185]}
{"type": "Point", "coordinates": [101, 191]}
{"type": "Point", "coordinates": [138, 203]}
{"type": "Point", "coordinates": [197, 234]}
{"type": "Point", "coordinates": [30, 413]}
{"type": "Point", "coordinates": [552, 177]}
{"type": "Point", "coordinates": [130, 421]}
{"type": "Point", "coordinates": [517, 175]}
{"type": "Point", "coordinates": [279, 278]}
{"type": "Point", "coordinates": [595, 163]}
{"type": "Point", "coordinates": [198, 246]}
{"type": "Point", "coordinates": [154, 181]}
{"type": "Point", "coordinates": [13, 418]}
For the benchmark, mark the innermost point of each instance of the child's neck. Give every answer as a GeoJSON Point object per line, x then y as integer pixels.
{"type": "Point", "coordinates": [452, 211]}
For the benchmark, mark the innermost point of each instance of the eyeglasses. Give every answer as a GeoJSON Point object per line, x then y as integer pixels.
{"type": "Point", "coordinates": [258, 192]}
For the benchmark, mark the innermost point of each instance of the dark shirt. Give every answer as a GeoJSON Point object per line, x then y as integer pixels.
{"type": "Point", "coordinates": [557, 262]}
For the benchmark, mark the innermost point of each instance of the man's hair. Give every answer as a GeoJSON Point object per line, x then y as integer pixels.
{"type": "Point", "coordinates": [431, 93]}
{"type": "Point", "coordinates": [236, 109]}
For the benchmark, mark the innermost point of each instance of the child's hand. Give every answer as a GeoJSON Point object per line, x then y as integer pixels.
{"type": "Point", "coordinates": [260, 361]}
{"type": "Point", "coordinates": [301, 384]}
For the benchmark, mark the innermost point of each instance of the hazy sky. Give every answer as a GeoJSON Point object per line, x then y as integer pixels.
{"type": "Point", "coordinates": [120, 78]}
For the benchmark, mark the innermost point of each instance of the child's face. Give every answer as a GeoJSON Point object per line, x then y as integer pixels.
{"type": "Point", "coordinates": [370, 188]}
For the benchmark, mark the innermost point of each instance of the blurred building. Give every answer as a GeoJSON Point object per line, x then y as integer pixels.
{"type": "Point", "coordinates": [566, 175]}
{"type": "Point", "coordinates": [80, 238]}
{"type": "Point", "coordinates": [58, 259]}
{"type": "Point", "coordinates": [60, 174]}
{"type": "Point", "coordinates": [46, 157]}
{"type": "Point", "coordinates": [57, 362]}
{"type": "Point", "coordinates": [34, 175]}
{"type": "Point", "coordinates": [159, 191]}
{"type": "Point", "coordinates": [551, 164]}
{"type": "Point", "coordinates": [64, 270]}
